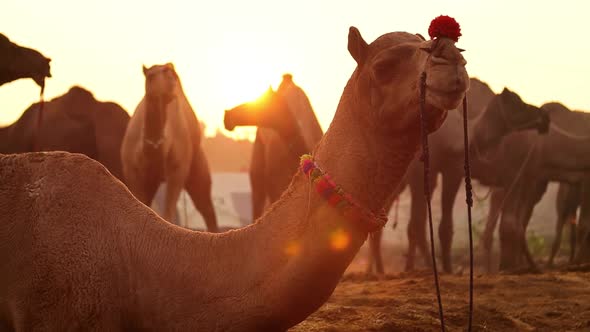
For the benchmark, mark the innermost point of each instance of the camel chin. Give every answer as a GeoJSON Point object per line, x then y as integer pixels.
{"type": "Point", "coordinates": [445, 101]}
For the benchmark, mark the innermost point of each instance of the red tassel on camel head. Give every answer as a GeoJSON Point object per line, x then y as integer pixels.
{"type": "Point", "coordinates": [444, 26]}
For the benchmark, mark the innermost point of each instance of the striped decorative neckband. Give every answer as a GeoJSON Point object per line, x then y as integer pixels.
{"type": "Point", "coordinates": [339, 199]}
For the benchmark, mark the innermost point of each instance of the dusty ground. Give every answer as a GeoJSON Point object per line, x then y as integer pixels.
{"type": "Point", "coordinates": [555, 300]}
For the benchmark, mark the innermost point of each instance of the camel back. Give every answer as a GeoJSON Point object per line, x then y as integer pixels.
{"type": "Point", "coordinates": [301, 108]}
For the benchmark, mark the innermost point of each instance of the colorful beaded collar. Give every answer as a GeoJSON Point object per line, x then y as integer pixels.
{"type": "Point", "coordinates": [336, 197]}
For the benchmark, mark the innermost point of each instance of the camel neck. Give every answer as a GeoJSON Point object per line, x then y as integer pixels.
{"type": "Point", "coordinates": [155, 119]}
{"type": "Point", "coordinates": [486, 133]}
{"type": "Point", "coordinates": [304, 244]}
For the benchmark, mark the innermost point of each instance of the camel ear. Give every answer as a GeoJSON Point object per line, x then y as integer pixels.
{"type": "Point", "coordinates": [170, 65]}
{"type": "Point", "coordinates": [144, 70]}
{"type": "Point", "coordinates": [426, 46]}
{"type": "Point", "coordinates": [357, 46]}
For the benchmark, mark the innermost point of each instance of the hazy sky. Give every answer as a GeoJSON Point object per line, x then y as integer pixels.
{"type": "Point", "coordinates": [229, 52]}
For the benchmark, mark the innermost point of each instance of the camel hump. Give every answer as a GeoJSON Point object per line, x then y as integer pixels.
{"type": "Point", "coordinates": [62, 167]}
{"type": "Point", "coordinates": [554, 107]}
{"type": "Point", "coordinates": [301, 108]}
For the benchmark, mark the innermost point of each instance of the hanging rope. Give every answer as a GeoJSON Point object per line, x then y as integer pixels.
{"type": "Point", "coordinates": [36, 143]}
{"type": "Point", "coordinates": [426, 162]}
{"type": "Point", "coordinates": [469, 201]}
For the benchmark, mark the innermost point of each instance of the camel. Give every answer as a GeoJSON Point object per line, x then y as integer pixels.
{"type": "Point", "coordinates": [273, 159]}
{"type": "Point", "coordinates": [163, 144]}
{"type": "Point", "coordinates": [118, 274]}
{"type": "Point", "coordinates": [562, 155]}
{"type": "Point", "coordinates": [17, 62]}
{"type": "Point", "coordinates": [493, 117]}
{"type": "Point", "coordinates": [73, 122]}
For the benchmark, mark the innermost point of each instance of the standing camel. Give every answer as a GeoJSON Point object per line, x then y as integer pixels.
{"type": "Point", "coordinates": [163, 143]}
{"type": "Point", "coordinates": [274, 159]}
{"type": "Point", "coordinates": [18, 62]}
{"type": "Point", "coordinates": [118, 274]}
{"type": "Point", "coordinates": [72, 122]}
{"type": "Point", "coordinates": [562, 155]}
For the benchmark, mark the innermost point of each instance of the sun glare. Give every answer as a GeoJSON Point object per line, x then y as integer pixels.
{"type": "Point", "coordinates": [248, 71]}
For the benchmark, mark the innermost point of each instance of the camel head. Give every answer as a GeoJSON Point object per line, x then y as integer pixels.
{"type": "Point", "coordinates": [269, 111]}
{"type": "Point", "coordinates": [161, 82]}
{"type": "Point", "coordinates": [389, 70]}
{"type": "Point", "coordinates": [513, 114]}
{"type": "Point", "coordinates": [18, 62]}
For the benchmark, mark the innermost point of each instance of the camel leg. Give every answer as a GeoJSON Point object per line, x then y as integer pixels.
{"type": "Point", "coordinates": [509, 238]}
{"type": "Point", "coordinates": [487, 239]}
{"type": "Point", "coordinates": [143, 189]}
{"type": "Point", "coordinates": [533, 196]}
{"type": "Point", "coordinates": [417, 225]}
{"type": "Point", "coordinates": [257, 179]}
{"type": "Point", "coordinates": [582, 254]}
{"type": "Point", "coordinates": [451, 183]}
{"type": "Point", "coordinates": [375, 253]}
{"type": "Point", "coordinates": [573, 238]}
{"type": "Point", "coordinates": [198, 186]}
{"type": "Point", "coordinates": [564, 213]}
{"type": "Point", "coordinates": [561, 220]}
{"type": "Point", "coordinates": [174, 185]}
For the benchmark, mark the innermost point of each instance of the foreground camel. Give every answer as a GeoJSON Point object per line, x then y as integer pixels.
{"type": "Point", "coordinates": [112, 270]}
{"type": "Point", "coordinates": [163, 144]}
{"type": "Point", "coordinates": [274, 158]}
{"type": "Point", "coordinates": [18, 62]}
{"type": "Point", "coordinates": [72, 122]}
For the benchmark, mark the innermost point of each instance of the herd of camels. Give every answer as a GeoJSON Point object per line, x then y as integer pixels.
{"type": "Point", "coordinates": [84, 251]}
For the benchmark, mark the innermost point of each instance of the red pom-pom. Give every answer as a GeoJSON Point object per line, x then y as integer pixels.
{"type": "Point", "coordinates": [444, 26]}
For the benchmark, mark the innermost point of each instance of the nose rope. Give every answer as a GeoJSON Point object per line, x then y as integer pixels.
{"type": "Point", "coordinates": [469, 201]}
{"type": "Point", "coordinates": [36, 142]}
{"type": "Point", "coordinates": [425, 158]}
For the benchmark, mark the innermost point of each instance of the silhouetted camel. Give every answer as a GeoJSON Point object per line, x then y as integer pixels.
{"type": "Point", "coordinates": [18, 62]}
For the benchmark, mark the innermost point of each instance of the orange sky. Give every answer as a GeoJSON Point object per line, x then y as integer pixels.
{"type": "Point", "coordinates": [228, 52]}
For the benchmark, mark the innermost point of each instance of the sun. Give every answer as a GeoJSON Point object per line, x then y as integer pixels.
{"type": "Point", "coordinates": [250, 67]}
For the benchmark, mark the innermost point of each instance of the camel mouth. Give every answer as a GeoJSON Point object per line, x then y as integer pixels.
{"type": "Point", "coordinates": [445, 99]}
{"type": "Point", "coordinates": [227, 122]}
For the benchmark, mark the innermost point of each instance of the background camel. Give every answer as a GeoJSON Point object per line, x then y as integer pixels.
{"type": "Point", "coordinates": [118, 252]}
{"type": "Point", "coordinates": [18, 62]}
{"type": "Point", "coordinates": [493, 117]}
{"type": "Point", "coordinates": [73, 122]}
{"type": "Point", "coordinates": [274, 157]}
{"type": "Point", "coordinates": [163, 143]}
{"type": "Point", "coordinates": [562, 155]}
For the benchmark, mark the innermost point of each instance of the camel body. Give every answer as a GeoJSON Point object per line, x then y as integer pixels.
{"type": "Point", "coordinates": [74, 122]}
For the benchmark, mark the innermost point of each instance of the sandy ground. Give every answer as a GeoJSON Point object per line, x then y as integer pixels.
{"type": "Point", "coordinates": [556, 300]}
